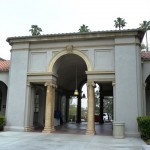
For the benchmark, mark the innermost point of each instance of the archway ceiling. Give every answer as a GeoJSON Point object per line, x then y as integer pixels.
{"type": "Point", "coordinates": [66, 70]}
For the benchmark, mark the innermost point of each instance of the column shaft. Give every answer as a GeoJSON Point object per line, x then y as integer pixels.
{"type": "Point", "coordinates": [79, 109]}
{"type": "Point", "coordinates": [27, 108]}
{"type": "Point", "coordinates": [53, 107]}
{"type": "Point", "coordinates": [49, 110]}
{"type": "Point", "coordinates": [101, 107]}
{"type": "Point", "coordinates": [91, 104]}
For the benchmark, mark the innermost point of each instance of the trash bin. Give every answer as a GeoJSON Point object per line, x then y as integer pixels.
{"type": "Point", "coordinates": [118, 130]}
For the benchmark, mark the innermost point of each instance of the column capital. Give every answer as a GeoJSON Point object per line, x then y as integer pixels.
{"type": "Point", "coordinates": [29, 84]}
{"type": "Point", "coordinates": [90, 83]}
{"type": "Point", "coordinates": [50, 83]}
{"type": "Point", "coordinates": [113, 83]}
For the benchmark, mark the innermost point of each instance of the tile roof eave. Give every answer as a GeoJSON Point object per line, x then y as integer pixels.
{"type": "Point", "coordinates": [76, 35]}
{"type": "Point", "coordinates": [4, 65]}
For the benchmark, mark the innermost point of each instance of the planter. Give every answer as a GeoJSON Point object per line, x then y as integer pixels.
{"type": "Point", "coordinates": [118, 130]}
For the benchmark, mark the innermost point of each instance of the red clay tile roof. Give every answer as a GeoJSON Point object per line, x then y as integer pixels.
{"type": "Point", "coordinates": [4, 65]}
{"type": "Point", "coordinates": [145, 55]}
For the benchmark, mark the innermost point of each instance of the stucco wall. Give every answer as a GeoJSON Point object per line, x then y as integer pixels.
{"type": "Point", "coordinates": [100, 52]}
{"type": "Point", "coordinates": [17, 89]}
{"type": "Point", "coordinates": [127, 60]}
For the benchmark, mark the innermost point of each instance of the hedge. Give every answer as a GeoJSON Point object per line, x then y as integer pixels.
{"type": "Point", "coordinates": [144, 126]}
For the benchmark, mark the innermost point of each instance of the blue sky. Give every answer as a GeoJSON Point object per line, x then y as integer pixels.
{"type": "Point", "coordinates": [63, 16]}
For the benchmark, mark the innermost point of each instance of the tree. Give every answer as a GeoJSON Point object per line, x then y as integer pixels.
{"type": "Point", "coordinates": [142, 46]}
{"type": "Point", "coordinates": [35, 30]}
{"type": "Point", "coordinates": [146, 26]}
{"type": "Point", "coordinates": [84, 28]}
{"type": "Point", "coordinates": [119, 23]}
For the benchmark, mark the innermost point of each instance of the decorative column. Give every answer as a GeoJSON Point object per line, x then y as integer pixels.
{"type": "Point", "coordinates": [49, 110]}
{"type": "Point", "coordinates": [53, 104]}
{"type": "Point", "coordinates": [79, 108]}
{"type": "Point", "coordinates": [114, 100]}
{"type": "Point", "coordinates": [101, 105]}
{"type": "Point", "coordinates": [91, 104]}
{"type": "Point", "coordinates": [67, 106]}
{"type": "Point", "coordinates": [27, 108]}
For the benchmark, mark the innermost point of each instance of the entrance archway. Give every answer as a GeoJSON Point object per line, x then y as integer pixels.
{"type": "Point", "coordinates": [70, 69]}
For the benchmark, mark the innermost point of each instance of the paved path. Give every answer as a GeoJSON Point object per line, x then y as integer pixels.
{"type": "Point", "coordinates": [42, 141]}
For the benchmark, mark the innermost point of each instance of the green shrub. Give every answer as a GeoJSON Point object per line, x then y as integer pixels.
{"type": "Point", "coordinates": [144, 126]}
{"type": "Point", "coordinates": [2, 122]}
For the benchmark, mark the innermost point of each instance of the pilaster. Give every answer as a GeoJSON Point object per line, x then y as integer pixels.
{"type": "Point", "coordinates": [114, 100]}
{"type": "Point", "coordinates": [28, 109]}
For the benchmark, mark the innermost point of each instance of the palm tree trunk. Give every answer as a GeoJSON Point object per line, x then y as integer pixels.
{"type": "Point", "coordinates": [119, 26]}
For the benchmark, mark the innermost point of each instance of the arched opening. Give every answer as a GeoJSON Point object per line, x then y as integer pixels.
{"type": "Point", "coordinates": [70, 69]}
{"type": "Point", "coordinates": [3, 97]}
{"type": "Point", "coordinates": [103, 111]}
{"type": "Point", "coordinates": [147, 93]}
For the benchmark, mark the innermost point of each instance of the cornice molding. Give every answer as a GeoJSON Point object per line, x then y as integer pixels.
{"type": "Point", "coordinates": [41, 74]}
{"type": "Point", "coordinates": [99, 72]}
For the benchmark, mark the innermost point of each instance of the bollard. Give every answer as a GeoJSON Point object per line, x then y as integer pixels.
{"type": "Point", "coordinates": [118, 130]}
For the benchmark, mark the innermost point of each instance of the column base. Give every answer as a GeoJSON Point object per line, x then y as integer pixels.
{"type": "Point", "coordinates": [48, 130]}
{"type": "Point", "coordinates": [90, 132]}
{"type": "Point", "coordinates": [28, 129]}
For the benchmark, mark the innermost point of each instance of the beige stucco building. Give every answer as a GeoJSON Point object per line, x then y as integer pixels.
{"type": "Point", "coordinates": [42, 77]}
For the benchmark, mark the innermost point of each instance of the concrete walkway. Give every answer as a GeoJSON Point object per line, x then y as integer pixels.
{"type": "Point", "coordinates": [42, 141]}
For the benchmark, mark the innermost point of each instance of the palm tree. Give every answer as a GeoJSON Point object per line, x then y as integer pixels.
{"type": "Point", "coordinates": [35, 30]}
{"type": "Point", "coordinates": [84, 28]}
{"type": "Point", "coordinates": [146, 26]}
{"type": "Point", "coordinates": [119, 23]}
